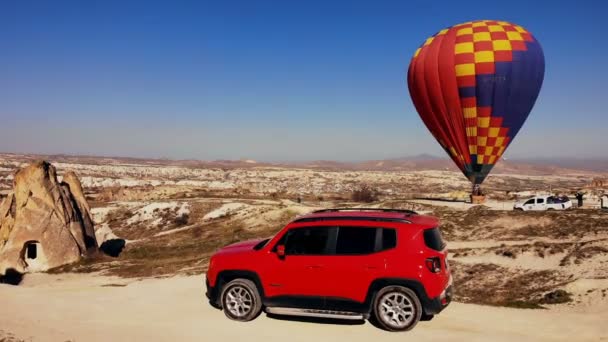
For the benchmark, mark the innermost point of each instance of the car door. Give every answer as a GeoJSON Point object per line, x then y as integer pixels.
{"type": "Point", "coordinates": [353, 264]}
{"type": "Point", "coordinates": [299, 273]}
{"type": "Point", "coordinates": [530, 205]}
{"type": "Point", "coordinates": [540, 204]}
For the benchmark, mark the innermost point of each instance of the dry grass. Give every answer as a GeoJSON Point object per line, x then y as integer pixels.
{"type": "Point", "coordinates": [494, 285]}
{"type": "Point", "coordinates": [8, 337]}
{"type": "Point", "coordinates": [198, 209]}
{"type": "Point", "coordinates": [581, 252]}
{"type": "Point", "coordinates": [478, 223]}
{"type": "Point", "coordinates": [185, 252]}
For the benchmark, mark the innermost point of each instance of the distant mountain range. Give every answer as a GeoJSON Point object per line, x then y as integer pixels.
{"type": "Point", "coordinates": [429, 162]}
{"type": "Point", "coordinates": [408, 163]}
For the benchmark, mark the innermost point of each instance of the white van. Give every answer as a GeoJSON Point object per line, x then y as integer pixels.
{"type": "Point", "coordinates": [544, 202]}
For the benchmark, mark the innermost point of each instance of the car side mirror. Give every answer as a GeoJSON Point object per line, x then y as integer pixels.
{"type": "Point", "coordinates": [281, 251]}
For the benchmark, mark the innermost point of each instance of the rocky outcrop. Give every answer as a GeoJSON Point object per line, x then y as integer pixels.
{"type": "Point", "coordinates": [80, 201]}
{"type": "Point", "coordinates": [44, 223]}
{"type": "Point", "coordinates": [7, 218]}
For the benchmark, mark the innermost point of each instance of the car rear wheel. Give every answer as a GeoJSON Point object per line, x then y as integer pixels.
{"type": "Point", "coordinates": [241, 300]}
{"type": "Point", "coordinates": [397, 308]}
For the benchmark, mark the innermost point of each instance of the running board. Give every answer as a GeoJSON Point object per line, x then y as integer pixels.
{"type": "Point", "coordinates": [316, 313]}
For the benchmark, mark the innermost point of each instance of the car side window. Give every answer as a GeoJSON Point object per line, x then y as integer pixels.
{"type": "Point", "coordinates": [356, 240]}
{"type": "Point", "coordinates": [530, 201]}
{"type": "Point", "coordinates": [389, 238]}
{"type": "Point", "coordinates": [540, 200]}
{"type": "Point", "coordinates": [307, 241]}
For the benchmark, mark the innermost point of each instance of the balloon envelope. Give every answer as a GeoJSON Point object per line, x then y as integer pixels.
{"type": "Point", "coordinates": [474, 85]}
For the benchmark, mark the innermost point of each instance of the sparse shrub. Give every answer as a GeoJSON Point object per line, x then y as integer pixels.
{"type": "Point", "coordinates": [522, 304]}
{"type": "Point", "coordinates": [181, 220]}
{"type": "Point", "coordinates": [556, 297]}
{"type": "Point", "coordinates": [113, 247]}
{"type": "Point", "coordinates": [365, 194]}
{"type": "Point", "coordinates": [508, 254]}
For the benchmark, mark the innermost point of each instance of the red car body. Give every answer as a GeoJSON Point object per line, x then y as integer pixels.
{"type": "Point", "coordinates": [341, 282]}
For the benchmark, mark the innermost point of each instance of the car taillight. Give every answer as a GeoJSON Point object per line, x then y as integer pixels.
{"type": "Point", "coordinates": [433, 264]}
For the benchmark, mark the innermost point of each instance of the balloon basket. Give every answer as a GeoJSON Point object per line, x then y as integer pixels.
{"type": "Point", "coordinates": [481, 199]}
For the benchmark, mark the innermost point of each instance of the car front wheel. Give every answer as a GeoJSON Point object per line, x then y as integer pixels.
{"type": "Point", "coordinates": [397, 308]}
{"type": "Point", "coordinates": [241, 300]}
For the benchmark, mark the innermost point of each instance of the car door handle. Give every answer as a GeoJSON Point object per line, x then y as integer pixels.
{"type": "Point", "coordinates": [371, 267]}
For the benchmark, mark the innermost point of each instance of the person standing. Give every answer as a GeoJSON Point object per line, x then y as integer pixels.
{"type": "Point", "coordinates": [579, 198]}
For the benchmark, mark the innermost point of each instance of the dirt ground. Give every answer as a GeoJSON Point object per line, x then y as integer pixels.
{"type": "Point", "coordinates": [88, 307]}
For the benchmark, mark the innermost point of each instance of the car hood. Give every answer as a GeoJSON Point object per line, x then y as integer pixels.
{"type": "Point", "coordinates": [243, 245]}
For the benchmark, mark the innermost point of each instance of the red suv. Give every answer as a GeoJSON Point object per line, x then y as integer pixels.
{"type": "Point", "coordinates": [384, 264]}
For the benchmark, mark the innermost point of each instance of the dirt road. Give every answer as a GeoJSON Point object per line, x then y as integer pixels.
{"type": "Point", "coordinates": [93, 308]}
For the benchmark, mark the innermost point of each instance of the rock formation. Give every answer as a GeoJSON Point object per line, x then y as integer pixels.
{"type": "Point", "coordinates": [44, 223]}
{"type": "Point", "coordinates": [80, 201]}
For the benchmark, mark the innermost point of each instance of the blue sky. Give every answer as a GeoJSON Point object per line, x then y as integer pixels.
{"type": "Point", "coordinates": [271, 80]}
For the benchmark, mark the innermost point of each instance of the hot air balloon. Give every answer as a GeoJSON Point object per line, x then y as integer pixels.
{"type": "Point", "coordinates": [474, 85]}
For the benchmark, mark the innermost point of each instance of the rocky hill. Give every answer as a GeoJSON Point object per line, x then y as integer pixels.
{"type": "Point", "coordinates": [44, 223]}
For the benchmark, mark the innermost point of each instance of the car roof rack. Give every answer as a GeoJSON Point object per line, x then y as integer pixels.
{"type": "Point", "coordinates": [349, 218]}
{"type": "Point", "coordinates": [385, 210]}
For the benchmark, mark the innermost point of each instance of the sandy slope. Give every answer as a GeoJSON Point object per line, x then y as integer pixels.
{"type": "Point", "coordinates": [81, 308]}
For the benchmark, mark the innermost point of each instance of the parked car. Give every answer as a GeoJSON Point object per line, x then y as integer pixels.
{"type": "Point", "coordinates": [382, 264]}
{"type": "Point", "coordinates": [604, 202]}
{"type": "Point", "coordinates": [545, 202]}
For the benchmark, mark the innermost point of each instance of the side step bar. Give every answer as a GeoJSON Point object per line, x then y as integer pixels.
{"type": "Point", "coordinates": [347, 315]}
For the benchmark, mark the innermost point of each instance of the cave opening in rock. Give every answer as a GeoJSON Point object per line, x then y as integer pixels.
{"type": "Point", "coordinates": [33, 256]}
{"type": "Point", "coordinates": [31, 250]}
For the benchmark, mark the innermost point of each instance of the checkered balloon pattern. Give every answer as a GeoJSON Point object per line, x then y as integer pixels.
{"type": "Point", "coordinates": [474, 85]}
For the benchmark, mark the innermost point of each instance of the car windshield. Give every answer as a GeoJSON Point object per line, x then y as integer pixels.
{"type": "Point", "coordinates": [261, 244]}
